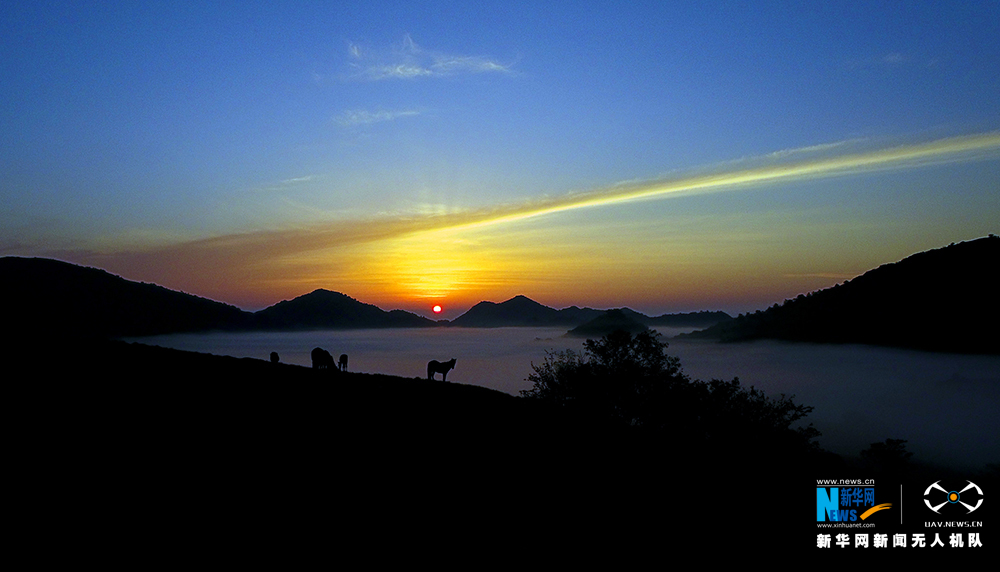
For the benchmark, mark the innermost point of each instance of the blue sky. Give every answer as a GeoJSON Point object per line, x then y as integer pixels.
{"type": "Point", "coordinates": [251, 152]}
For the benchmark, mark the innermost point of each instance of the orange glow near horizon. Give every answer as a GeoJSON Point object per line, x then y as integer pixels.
{"type": "Point", "coordinates": [605, 248]}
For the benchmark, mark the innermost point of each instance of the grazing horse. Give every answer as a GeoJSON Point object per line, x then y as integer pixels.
{"type": "Point", "coordinates": [322, 359]}
{"type": "Point", "coordinates": [343, 362]}
{"type": "Point", "coordinates": [441, 367]}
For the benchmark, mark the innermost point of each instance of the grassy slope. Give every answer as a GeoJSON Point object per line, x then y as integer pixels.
{"type": "Point", "coordinates": [210, 450]}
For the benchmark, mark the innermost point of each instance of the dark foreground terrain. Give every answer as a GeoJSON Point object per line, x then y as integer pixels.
{"type": "Point", "coordinates": [167, 452]}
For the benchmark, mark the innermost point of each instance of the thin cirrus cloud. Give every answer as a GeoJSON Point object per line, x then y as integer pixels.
{"type": "Point", "coordinates": [411, 61]}
{"type": "Point", "coordinates": [356, 117]}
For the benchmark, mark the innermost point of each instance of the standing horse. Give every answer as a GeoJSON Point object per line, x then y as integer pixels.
{"type": "Point", "coordinates": [343, 362]}
{"type": "Point", "coordinates": [435, 366]}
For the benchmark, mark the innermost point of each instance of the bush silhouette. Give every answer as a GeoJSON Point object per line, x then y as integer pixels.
{"type": "Point", "coordinates": [889, 456]}
{"type": "Point", "coordinates": [620, 378]}
{"type": "Point", "coordinates": [743, 414]}
{"type": "Point", "coordinates": [631, 381]}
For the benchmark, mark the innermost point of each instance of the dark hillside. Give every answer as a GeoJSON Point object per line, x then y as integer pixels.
{"type": "Point", "coordinates": [200, 448]}
{"type": "Point", "coordinates": [939, 300]}
{"type": "Point", "coordinates": [44, 295]}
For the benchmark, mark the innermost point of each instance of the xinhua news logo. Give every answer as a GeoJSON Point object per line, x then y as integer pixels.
{"type": "Point", "coordinates": [846, 504]}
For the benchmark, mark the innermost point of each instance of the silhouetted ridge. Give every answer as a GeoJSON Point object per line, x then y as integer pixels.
{"type": "Point", "coordinates": [524, 312]}
{"type": "Point", "coordinates": [608, 322]}
{"type": "Point", "coordinates": [326, 309]}
{"type": "Point", "coordinates": [940, 300]}
{"type": "Point", "coordinates": [702, 319]}
{"type": "Point", "coordinates": [44, 295]}
{"type": "Point", "coordinates": [518, 311]}
{"type": "Point", "coordinates": [575, 315]}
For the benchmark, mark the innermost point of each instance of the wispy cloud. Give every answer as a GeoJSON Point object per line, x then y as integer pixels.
{"type": "Point", "coordinates": [294, 180]}
{"type": "Point", "coordinates": [410, 61]}
{"type": "Point", "coordinates": [446, 65]}
{"type": "Point", "coordinates": [355, 117]}
{"type": "Point", "coordinates": [822, 147]}
{"type": "Point", "coordinates": [396, 71]}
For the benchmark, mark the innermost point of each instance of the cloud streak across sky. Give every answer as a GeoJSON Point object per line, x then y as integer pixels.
{"type": "Point", "coordinates": [732, 177]}
{"type": "Point", "coordinates": [411, 61]}
{"type": "Point", "coordinates": [986, 145]}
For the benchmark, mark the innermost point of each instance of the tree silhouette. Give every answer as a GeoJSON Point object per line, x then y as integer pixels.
{"type": "Point", "coordinates": [889, 456]}
{"type": "Point", "coordinates": [618, 378]}
{"type": "Point", "coordinates": [632, 381]}
{"type": "Point", "coordinates": [742, 414]}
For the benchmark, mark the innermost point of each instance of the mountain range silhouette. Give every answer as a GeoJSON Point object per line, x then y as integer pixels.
{"type": "Point", "coordinates": [48, 294]}
{"type": "Point", "coordinates": [941, 300]}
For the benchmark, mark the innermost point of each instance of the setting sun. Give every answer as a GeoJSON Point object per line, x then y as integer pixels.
{"type": "Point", "coordinates": [437, 309]}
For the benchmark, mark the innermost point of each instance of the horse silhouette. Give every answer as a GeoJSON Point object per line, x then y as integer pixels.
{"type": "Point", "coordinates": [274, 357]}
{"type": "Point", "coordinates": [435, 366]}
{"type": "Point", "coordinates": [343, 362]}
{"type": "Point", "coordinates": [322, 359]}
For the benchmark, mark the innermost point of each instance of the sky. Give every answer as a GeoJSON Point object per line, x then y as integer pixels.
{"type": "Point", "coordinates": [664, 156]}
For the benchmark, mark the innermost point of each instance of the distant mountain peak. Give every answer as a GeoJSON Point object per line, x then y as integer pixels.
{"type": "Point", "coordinates": [327, 293]}
{"type": "Point", "coordinates": [521, 299]}
{"type": "Point", "coordinates": [323, 308]}
{"type": "Point", "coordinates": [517, 311]}
{"type": "Point", "coordinates": [608, 322]}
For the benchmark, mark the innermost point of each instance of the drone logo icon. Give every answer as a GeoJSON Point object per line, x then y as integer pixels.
{"type": "Point", "coordinates": [954, 497]}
